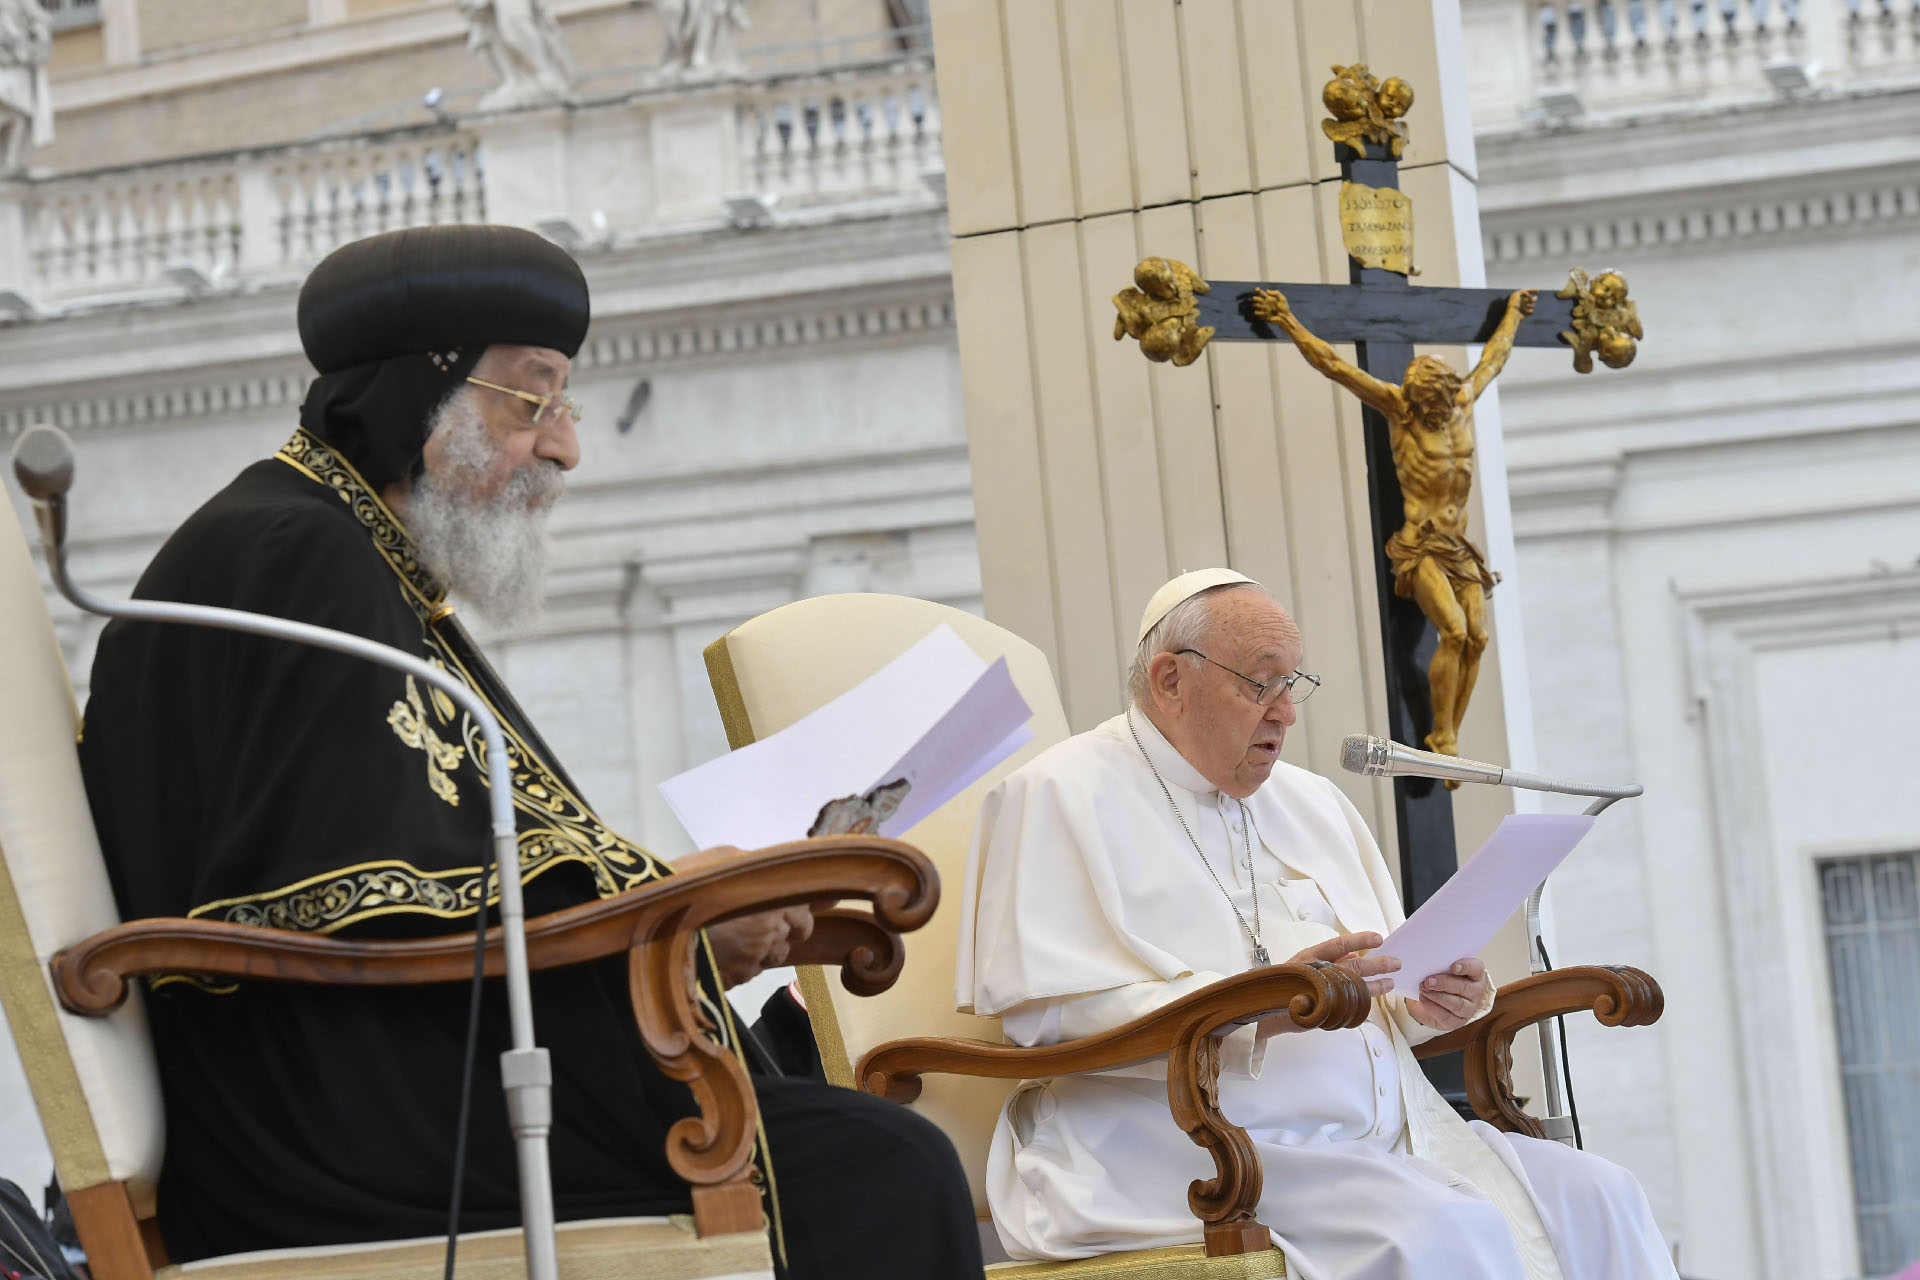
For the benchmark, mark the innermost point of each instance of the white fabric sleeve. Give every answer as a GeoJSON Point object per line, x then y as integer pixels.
{"type": "Point", "coordinates": [1075, 1017]}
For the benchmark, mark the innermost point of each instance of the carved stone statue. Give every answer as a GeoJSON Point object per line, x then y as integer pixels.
{"type": "Point", "coordinates": [523, 42]}
{"type": "Point", "coordinates": [26, 101]}
{"type": "Point", "coordinates": [1430, 417]}
{"type": "Point", "coordinates": [700, 35]}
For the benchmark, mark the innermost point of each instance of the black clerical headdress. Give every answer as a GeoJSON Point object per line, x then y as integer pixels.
{"type": "Point", "coordinates": [396, 321]}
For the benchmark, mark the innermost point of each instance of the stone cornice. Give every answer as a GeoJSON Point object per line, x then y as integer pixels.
{"type": "Point", "coordinates": [1647, 184]}
{"type": "Point", "coordinates": [755, 328]}
{"type": "Point", "coordinates": [1853, 202]}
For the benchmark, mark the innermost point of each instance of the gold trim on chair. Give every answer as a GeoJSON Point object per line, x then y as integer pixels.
{"type": "Point", "coordinates": [1181, 1262]}
{"type": "Point", "coordinates": [65, 1116]}
{"type": "Point", "coordinates": [726, 694]}
{"type": "Point", "coordinates": [826, 1027]}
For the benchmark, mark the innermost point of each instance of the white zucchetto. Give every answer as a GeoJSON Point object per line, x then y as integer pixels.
{"type": "Point", "coordinates": [1185, 587]}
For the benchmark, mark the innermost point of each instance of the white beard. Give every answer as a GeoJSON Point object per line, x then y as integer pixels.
{"type": "Point", "coordinates": [491, 552]}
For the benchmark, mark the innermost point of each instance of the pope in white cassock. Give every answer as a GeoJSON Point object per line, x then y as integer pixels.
{"type": "Point", "coordinates": [1169, 848]}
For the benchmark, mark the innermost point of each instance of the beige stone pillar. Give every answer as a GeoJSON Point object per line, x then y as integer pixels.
{"type": "Point", "coordinates": [1084, 135]}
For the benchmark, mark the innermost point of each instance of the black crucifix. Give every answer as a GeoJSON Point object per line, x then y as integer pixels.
{"type": "Point", "coordinates": [1418, 418]}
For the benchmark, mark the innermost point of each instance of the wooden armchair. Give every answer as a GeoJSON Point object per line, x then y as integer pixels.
{"type": "Point", "coordinates": [957, 1069]}
{"type": "Point", "coordinates": [66, 961]}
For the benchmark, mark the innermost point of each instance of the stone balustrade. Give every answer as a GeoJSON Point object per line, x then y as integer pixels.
{"type": "Point", "coordinates": [203, 222]}
{"type": "Point", "coordinates": [1570, 58]}
{"type": "Point", "coordinates": [661, 159]}
{"type": "Point", "coordinates": [827, 135]}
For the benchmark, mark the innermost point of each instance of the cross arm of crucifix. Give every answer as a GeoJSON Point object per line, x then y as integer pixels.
{"type": "Point", "coordinates": [1585, 316]}
{"type": "Point", "coordinates": [1270, 306]}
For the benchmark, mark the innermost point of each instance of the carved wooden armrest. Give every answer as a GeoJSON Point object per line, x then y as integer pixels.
{"type": "Point", "coordinates": [655, 925]}
{"type": "Point", "coordinates": [1618, 995]}
{"type": "Point", "coordinates": [90, 977]}
{"type": "Point", "coordinates": [1315, 995]}
{"type": "Point", "coordinates": [869, 955]}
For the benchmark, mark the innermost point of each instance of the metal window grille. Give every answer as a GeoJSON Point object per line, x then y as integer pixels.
{"type": "Point", "coordinates": [72, 13]}
{"type": "Point", "coordinates": [1872, 909]}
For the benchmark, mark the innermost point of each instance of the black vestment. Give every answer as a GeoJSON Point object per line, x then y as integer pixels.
{"type": "Point", "coordinates": [239, 778]}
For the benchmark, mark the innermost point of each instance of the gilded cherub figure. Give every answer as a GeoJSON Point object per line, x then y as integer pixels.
{"type": "Point", "coordinates": [1160, 312]}
{"type": "Point", "coordinates": [1430, 417]}
{"type": "Point", "coordinates": [1603, 320]}
{"type": "Point", "coordinates": [1366, 108]}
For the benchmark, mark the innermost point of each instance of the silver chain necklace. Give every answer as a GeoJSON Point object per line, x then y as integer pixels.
{"type": "Point", "coordinates": [1260, 956]}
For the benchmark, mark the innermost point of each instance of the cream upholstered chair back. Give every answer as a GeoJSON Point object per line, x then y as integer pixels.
{"type": "Point", "coordinates": [771, 671]}
{"type": "Point", "coordinates": [94, 1080]}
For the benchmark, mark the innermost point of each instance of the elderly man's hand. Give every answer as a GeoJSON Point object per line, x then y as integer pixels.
{"type": "Point", "coordinates": [1449, 1000]}
{"type": "Point", "coordinates": [744, 946]}
{"type": "Point", "coordinates": [1344, 950]}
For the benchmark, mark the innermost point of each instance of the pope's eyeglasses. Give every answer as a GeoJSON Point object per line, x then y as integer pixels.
{"type": "Point", "coordinates": [1299, 686]}
{"type": "Point", "coordinates": [540, 403]}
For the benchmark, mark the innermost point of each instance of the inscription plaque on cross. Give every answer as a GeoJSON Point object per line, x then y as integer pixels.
{"type": "Point", "coordinates": [1417, 417]}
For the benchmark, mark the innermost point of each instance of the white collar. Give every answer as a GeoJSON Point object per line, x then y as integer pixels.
{"type": "Point", "coordinates": [1174, 768]}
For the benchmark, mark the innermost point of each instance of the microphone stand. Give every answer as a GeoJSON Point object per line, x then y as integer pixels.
{"type": "Point", "coordinates": [1382, 757]}
{"type": "Point", "coordinates": [1559, 1125]}
{"type": "Point", "coordinates": [43, 463]}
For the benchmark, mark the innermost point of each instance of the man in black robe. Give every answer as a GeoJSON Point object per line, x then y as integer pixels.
{"type": "Point", "coordinates": [254, 780]}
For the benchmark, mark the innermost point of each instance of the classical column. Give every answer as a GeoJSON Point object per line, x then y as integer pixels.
{"type": "Point", "coordinates": [1084, 135]}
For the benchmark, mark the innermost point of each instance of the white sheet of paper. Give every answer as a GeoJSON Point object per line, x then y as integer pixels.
{"type": "Point", "coordinates": [1464, 913]}
{"type": "Point", "coordinates": [936, 713]}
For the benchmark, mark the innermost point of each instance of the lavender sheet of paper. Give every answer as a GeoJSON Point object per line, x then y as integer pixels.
{"type": "Point", "coordinates": [1464, 914]}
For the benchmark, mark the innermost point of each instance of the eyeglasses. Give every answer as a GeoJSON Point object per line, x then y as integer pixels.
{"type": "Point", "coordinates": [1299, 686]}
{"type": "Point", "coordinates": [540, 403]}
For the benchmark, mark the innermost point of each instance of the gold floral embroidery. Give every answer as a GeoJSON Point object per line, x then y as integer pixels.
{"type": "Point", "coordinates": [306, 454]}
{"type": "Point", "coordinates": [409, 723]}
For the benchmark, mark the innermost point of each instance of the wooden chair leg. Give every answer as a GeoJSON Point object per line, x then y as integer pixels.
{"type": "Point", "coordinates": [1225, 1203]}
{"type": "Point", "coordinates": [727, 1208]}
{"type": "Point", "coordinates": [110, 1232]}
{"type": "Point", "coordinates": [1226, 1238]}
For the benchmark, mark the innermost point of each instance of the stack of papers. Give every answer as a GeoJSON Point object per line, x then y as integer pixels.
{"type": "Point", "coordinates": [937, 717]}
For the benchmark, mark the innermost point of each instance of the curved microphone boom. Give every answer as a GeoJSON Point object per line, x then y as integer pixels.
{"type": "Point", "coordinates": [1385, 758]}
{"type": "Point", "coordinates": [43, 464]}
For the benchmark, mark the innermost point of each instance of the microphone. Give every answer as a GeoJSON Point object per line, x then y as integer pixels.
{"type": "Point", "coordinates": [1385, 758]}
{"type": "Point", "coordinates": [43, 463]}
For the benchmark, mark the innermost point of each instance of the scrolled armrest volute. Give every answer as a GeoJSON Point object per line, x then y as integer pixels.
{"type": "Point", "coordinates": [869, 956]}
{"type": "Point", "coordinates": [1617, 995]}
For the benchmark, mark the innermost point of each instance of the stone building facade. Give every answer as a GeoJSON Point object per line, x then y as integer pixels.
{"type": "Point", "coordinates": [1718, 562]}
